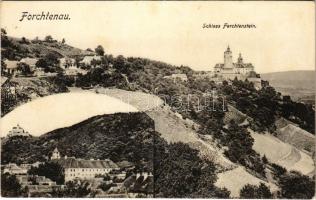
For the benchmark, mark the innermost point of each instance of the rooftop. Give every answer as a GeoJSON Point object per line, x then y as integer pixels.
{"type": "Point", "coordinates": [81, 163]}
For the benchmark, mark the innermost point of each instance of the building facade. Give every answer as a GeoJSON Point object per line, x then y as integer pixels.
{"type": "Point", "coordinates": [18, 131]}
{"type": "Point", "coordinates": [231, 70]}
{"type": "Point", "coordinates": [175, 77]}
{"type": "Point", "coordinates": [74, 168]}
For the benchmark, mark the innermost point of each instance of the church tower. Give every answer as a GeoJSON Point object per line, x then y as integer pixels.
{"type": "Point", "coordinates": [228, 58]}
{"type": "Point", "coordinates": [55, 155]}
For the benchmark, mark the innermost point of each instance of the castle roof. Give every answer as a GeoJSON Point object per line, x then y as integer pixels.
{"type": "Point", "coordinates": [81, 163]}
{"type": "Point", "coordinates": [243, 65]}
{"type": "Point", "coordinates": [238, 65]}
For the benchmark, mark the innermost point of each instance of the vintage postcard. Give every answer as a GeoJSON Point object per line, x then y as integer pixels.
{"type": "Point", "coordinates": [156, 99]}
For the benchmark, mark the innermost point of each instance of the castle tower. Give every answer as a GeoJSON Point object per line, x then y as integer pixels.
{"type": "Point", "coordinates": [240, 60]}
{"type": "Point", "coordinates": [228, 58]}
{"type": "Point", "coordinates": [55, 155]}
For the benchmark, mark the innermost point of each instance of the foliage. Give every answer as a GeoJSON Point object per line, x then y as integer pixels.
{"type": "Point", "coordinates": [105, 187]}
{"type": "Point", "coordinates": [99, 50]}
{"type": "Point", "coordinates": [266, 105]}
{"type": "Point", "coordinates": [73, 189]}
{"type": "Point", "coordinates": [180, 173]}
{"type": "Point", "coordinates": [48, 38]}
{"type": "Point", "coordinates": [294, 185]}
{"type": "Point", "coordinates": [50, 62]}
{"type": "Point", "coordinates": [50, 170]}
{"type": "Point", "coordinates": [119, 137]}
{"type": "Point", "coordinates": [10, 187]}
{"type": "Point", "coordinates": [25, 69]}
{"type": "Point", "coordinates": [255, 192]}
{"type": "Point", "coordinates": [277, 171]}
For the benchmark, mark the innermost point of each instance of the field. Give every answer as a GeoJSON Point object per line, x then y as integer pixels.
{"type": "Point", "coordinates": [235, 179]}
{"type": "Point", "coordinates": [282, 153]}
{"type": "Point", "coordinates": [298, 137]}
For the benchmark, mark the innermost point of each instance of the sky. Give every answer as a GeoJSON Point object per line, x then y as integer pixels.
{"type": "Point", "coordinates": [48, 113]}
{"type": "Point", "coordinates": [283, 40]}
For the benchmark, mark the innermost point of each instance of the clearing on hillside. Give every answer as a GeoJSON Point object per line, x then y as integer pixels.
{"type": "Point", "coordinates": [282, 153]}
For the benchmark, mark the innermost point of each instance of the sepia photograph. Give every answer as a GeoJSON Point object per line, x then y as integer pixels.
{"type": "Point", "coordinates": [158, 99]}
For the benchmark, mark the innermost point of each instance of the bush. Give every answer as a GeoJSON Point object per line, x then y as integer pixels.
{"type": "Point", "coordinates": [255, 192]}
{"type": "Point", "coordinates": [10, 187]}
{"type": "Point", "coordinates": [50, 170]}
{"type": "Point", "coordinates": [294, 185]}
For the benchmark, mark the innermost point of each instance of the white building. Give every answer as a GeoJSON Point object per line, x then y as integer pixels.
{"type": "Point", "coordinates": [55, 154]}
{"type": "Point", "coordinates": [12, 168]}
{"type": "Point", "coordinates": [175, 77]}
{"type": "Point", "coordinates": [11, 67]}
{"type": "Point", "coordinates": [30, 62]}
{"type": "Point", "coordinates": [66, 62]}
{"type": "Point", "coordinates": [83, 169]}
{"type": "Point", "coordinates": [230, 70]}
{"type": "Point", "coordinates": [87, 59]}
{"type": "Point", "coordinates": [18, 131]}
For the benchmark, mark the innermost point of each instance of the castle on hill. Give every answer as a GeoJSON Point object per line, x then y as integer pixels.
{"type": "Point", "coordinates": [230, 70]}
{"type": "Point", "coordinates": [18, 131]}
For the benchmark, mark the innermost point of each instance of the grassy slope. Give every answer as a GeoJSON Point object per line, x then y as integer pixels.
{"type": "Point", "coordinates": [55, 47]}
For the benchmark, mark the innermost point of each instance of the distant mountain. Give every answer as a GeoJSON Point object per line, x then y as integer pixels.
{"type": "Point", "coordinates": [297, 84]}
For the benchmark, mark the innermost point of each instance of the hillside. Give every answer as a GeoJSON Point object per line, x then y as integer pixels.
{"type": "Point", "coordinates": [121, 136]}
{"type": "Point", "coordinates": [40, 48]}
{"type": "Point", "coordinates": [297, 84]}
{"type": "Point", "coordinates": [27, 89]}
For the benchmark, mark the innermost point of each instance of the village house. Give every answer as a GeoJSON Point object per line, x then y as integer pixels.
{"type": "Point", "coordinates": [67, 62]}
{"type": "Point", "coordinates": [88, 59]}
{"type": "Point", "coordinates": [31, 62]}
{"type": "Point", "coordinates": [11, 67]}
{"type": "Point", "coordinates": [18, 131]}
{"type": "Point", "coordinates": [74, 168]}
{"type": "Point", "coordinates": [14, 169]}
{"type": "Point", "coordinates": [175, 77]}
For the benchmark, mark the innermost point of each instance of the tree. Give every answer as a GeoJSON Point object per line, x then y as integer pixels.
{"type": "Point", "coordinates": [119, 63]}
{"type": "Point", "coordinates": [48, 38]}
{"type": "Point", "coordinates": [73, 189]}
{"type": "Point", "coordinates": [3, 67]}
{"type": "Point", "coordinates": [24, 68]}
{"type": "Point", "coordinates": [10, 187]}
{"type": "Point", "coordinates": [294, 185]}
{"type": "Point", "coordinates": [24, 40]}
{"type": "Point", "coordinates": [63, 41]}
{"type": "Point", "coordinates": [50, 170]}
{"type": "Point", "coordinates": [99, 50]}
{"type": "Point", "coordinates": [255, 192]}
{"type": "Point", "coordinates": [5, 42]}
{"type": "Point", "coordinates": [180, 172]}
{"type": "Point", "coordinates": [49, 62]}
{"type": "Point", "coordinates": [264, 159]}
